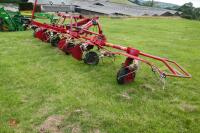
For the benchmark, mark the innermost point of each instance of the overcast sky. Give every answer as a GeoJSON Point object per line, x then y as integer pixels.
{"type": "Point", "coordinates": [181, 2]}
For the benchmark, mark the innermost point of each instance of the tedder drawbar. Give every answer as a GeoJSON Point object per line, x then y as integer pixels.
{"type": "Point", "coordinates": [77, 39]}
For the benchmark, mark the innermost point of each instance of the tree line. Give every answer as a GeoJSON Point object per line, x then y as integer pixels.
{"type": "Point", "coordinates": [189, 11]}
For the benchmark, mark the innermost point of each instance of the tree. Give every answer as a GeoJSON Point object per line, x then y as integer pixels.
{"type": "Point", "coordinates": [197, 13]}
{"type": "Point", "coordinates": [152, 3]}
{"type": "Point", "coordinates": [137, 2]}
{"type": "Point", "coordinates": [190, 12]}
{"type": "Point", "coordinates": [149, 3]}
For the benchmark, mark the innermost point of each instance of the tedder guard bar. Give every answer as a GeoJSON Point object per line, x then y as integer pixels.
{"type": "Point", "coordinates": [173, 72]}
{"type": "Point", "coordinates": [65, 36]}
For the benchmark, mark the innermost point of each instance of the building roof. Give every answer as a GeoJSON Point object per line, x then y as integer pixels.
{"type": "Point", "coordinates": [50, 1]}
{"type": "Point", "coordinates": [108, 8]}
{"type": "Point", "coordinates": [57, 8]}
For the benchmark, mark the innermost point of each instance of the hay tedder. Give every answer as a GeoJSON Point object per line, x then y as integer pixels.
{"type": "Point", "coordinates": [73, 35]}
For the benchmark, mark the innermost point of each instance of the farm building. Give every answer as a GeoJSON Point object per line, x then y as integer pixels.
{"type": "Point", "coordinates": [102, 7]}
{"type": "Point", "coordinates": [110, 8]}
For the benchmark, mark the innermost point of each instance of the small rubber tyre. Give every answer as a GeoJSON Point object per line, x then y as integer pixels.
{"type": "Point", "coordinates": [45, 37]}
{"type": "Point", "coordinates": [54, 41]}
{"type": "Point", "coordinates": [1, 24]}
{"type": "Point", "coordinates": [67, 48]}
{"type": "Point", "coordinates": [34, 31]}
{"type": "Point", "coordinates": [125, 75]}
{"type": "Point", "coordinates": [34, 28]}
{"type": "Point", "coordinates": [91, 58]}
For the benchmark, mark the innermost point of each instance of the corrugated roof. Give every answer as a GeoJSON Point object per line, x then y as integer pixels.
{"type": "Point", "coordinates": [57, 8]}
{"type": "Point", "coordinates": [106, 7]}
{"type": "Point", "coordinates": [48, 1]}
{"type": "Point", "coordinates": [112, 8]}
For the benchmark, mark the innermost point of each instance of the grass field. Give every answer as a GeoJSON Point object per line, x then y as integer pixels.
{"type": "Point", "coordinates": [41, 88]}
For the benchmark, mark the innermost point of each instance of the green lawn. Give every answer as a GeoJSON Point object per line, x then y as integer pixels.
{"type": "Point", "coordinates": [38, 82]}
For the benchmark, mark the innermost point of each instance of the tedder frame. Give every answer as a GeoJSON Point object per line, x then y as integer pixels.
{"type": "Point", "coordinates": [76, 38]}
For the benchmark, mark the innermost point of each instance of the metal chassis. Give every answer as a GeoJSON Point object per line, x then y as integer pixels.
{"type": "Point", "coordinates": [80, 30]}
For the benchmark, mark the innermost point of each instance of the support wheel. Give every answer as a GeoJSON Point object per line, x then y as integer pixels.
{"type": "Point", "coordinates": [34, 31]}
{"type": "Point", "coordinates": [54, 41]}
{"type": "Point", "coordinates": [91, 58]}
{"type": "Point", "coordinates": [45, 37]}
{"type": "Point", "coordinates": [67, 48]}
{"type": "Point", "coordinates": [1, 24]}
{"type": "Point", "coordinates": [125, 75]}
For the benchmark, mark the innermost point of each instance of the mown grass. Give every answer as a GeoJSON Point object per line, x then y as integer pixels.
{"type": "Point", "coordinates": [38, 81]}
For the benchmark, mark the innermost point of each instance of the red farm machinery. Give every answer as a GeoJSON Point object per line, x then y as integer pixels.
{"type": "Point", "coordinates": [72, 34]}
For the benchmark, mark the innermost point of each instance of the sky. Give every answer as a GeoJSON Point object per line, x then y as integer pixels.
{"type": "Point", "coordinates": [196, 3]}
